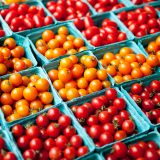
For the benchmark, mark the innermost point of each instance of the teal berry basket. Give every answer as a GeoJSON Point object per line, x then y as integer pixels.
{"type": "Point", "coordinates": [55, 64]}
{"type": "Point", "coordinates": [21, 41]}
{"type": "Point", "coordinates": [115, 49]}
{"type": "Point", "coordinates": [29, 121]}
{"type": "Point", "coordinates": [98, 21]}
{"type": "Point", "coordinates": [4, 27]}
{"type": "Point", "coordinates": [9, 145]}
{"type": "Point", "coordinates": [126, 88]}
{"type": "Point", "coordinates": [28, 31]}
{"type": "Point", "coordinates": [94, 156]}
{"type": "Point", "coordinates": [151, 136]}
{"type": "Point", "coordinates": [132, 8]}
{"type": "Point", "coordinates": [37, 35]}
{"type": "Point", "coordinates": [141, 125]}
{"type": "Point", "coordinates": [38, 71]}
{"type": "Point", "coordinates": [143, 42]}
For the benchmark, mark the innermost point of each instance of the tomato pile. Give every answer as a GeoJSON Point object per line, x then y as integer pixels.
{"type": "Point", "coordinates": [21, 17]}
{"type": "Point", "coordinates": [22, 96]}
{"type": "Point", "coordinates": [53, 45]}
{"type": "Point", "coordinates": [141, 21]}
{"type": "Point", "coordinates": [74, 78]}
{"type": "Point", "coordinates": [140, 150]}
{"type": "Point", "coordinates": [2, 32]}
{"type": "Point", "coordinates": [68, 9]}
{"type": "Point", "coordinates": [148, 99]}
{"type": "Point", "coordinates": [106, 5]}
{"type": "Point", "coordinates": [105, 34]}
{"type": "Point", "coordinates": [52, 136]}
{"type": "Point", "coordinates": [105, 118]}
{"type": "Point", "coordinates": [138, 2]}
{"type": "Point", "coordinates": [125, 65]}
{"type": "Point", "coordinates": [154, 47]}
{"type": "Point", "coordinates": [4, 154]}
{"type": "Point", "coordinates": [12, 57]}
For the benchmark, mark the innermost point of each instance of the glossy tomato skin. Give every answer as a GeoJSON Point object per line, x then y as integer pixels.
{"type": "Point", "coordinates": [38, 20]}
{"type": "Point", "coordinates": [108, 127]}
{"type": "Point", "coordinates": [95, 131]}
{"type": "Point", "coordinates": [18, 130]}
{"type": "Point", "coordinates": [92, 120]}
{"type": "Point", "coordinates": [48, 21]}
{"type": "Point", "coordinates": [53, 114]}
{"type": "Point", "coordinates": [106, 138]}
{"type": "Point", "coordinates": [119, 103]}
{"type": "Point", "coordinates": [82, 151]}
{"type": "Point", "coordinates": [112, 110]}
{"type": "Point", "coordinates": [81, 112]}
{"type": "Point", "coordinates": [104, 117]}
{"type": "Point", "coordinates": [97, 103]}
{"type": "Point", "coordinates": [29, 154]}
{"type": "Point", "coordinates": [55, 153]}
{"type": "Point", "coordinates": [111, 94]}
{"type": "Point", "coordinates": [53, 130]}
{"type": "Point", "coordinates": [23, 142]}
{"type": "Point", "coordinates": [76, 141]}
{"type": "Point", "coordinates": [120, 149]}
{"type": "Point", "coordinates": [151, 154]}
{"type": "Point", "coordinates": [79, 23]}
{"type": "Point", "coordinates": [155, 85]}
{"type": "Point", "coordinates": [64, 121]}
{"type": "Point", "coordinates": [61, 142]}
{"type": "Point", "coordinates": [69, 131]}
{"type": "Point", "coordinates": [49, 143]}
{"type": "Point", "coordinates": [12, 14]}
{"type": "Point", "coordinates": [33, 132]}
{"type": "Point", "coordinates": [148, 104]}
{"type": "Point", "coordinates": [36, 144]}
{"type": "Point", "coordinates": [42, 121]}
{"type": "Point", "coordinates": [136, 151]}
{"type": "Point", "coordinates": [70, 153]}
{"type": "Point", "coordinates": [136, 88]}
{"type": "Point", "coordinates": [88, 22]}
{"type": "Point", "coordinates": [128, 126]}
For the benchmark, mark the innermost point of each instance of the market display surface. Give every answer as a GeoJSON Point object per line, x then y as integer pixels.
{"type": "Point", "coordinates": [80, 80]}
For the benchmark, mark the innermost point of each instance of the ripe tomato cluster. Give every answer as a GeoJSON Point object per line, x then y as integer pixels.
{"type": "Point", "coordinates": [68, 9]}
{"type": "Point", "coordinates": [53, 46]}
{"type": "Point", "coordinates": [74, 78]}
{"type": "Point", "coordinates": [22, 96]}
{"type": "Point", "coordinates": [148, 99]}
{"type": "Point", "coordinates": [51, 137]}
{"type": "Point", "coordinates": [2, 32]}
{"type": "Point", "coordinates": [106, 5]}
{"type": "Point", "coordinates": [141, 21]}
{"type": "Point", "coordinates": [4, 153]}
{"type": "Point", "coordinates": [140, 150]}
{"type": "Point", "coordinates": [154, 47]}
{"type": "Point", "coordinates": [138, 2]}
{"type": "Point", "coordinates": [12, 57]}
{"type": "Point", "coordinates": [125, 65]}
{"type": "Point", "coordinates": [105, 34]}
{"type": "Point", "coordinates": [105, 118]}
{"type": "Point", "coordinates": [21, 17]}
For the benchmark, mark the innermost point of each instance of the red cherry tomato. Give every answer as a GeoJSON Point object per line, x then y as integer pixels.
{"type": "Point", "coordinates": [38, 20]}
{"type": "Point", "coordinates": [29, 23]}
{"type": "Point", "coordinates": [48, 20]}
